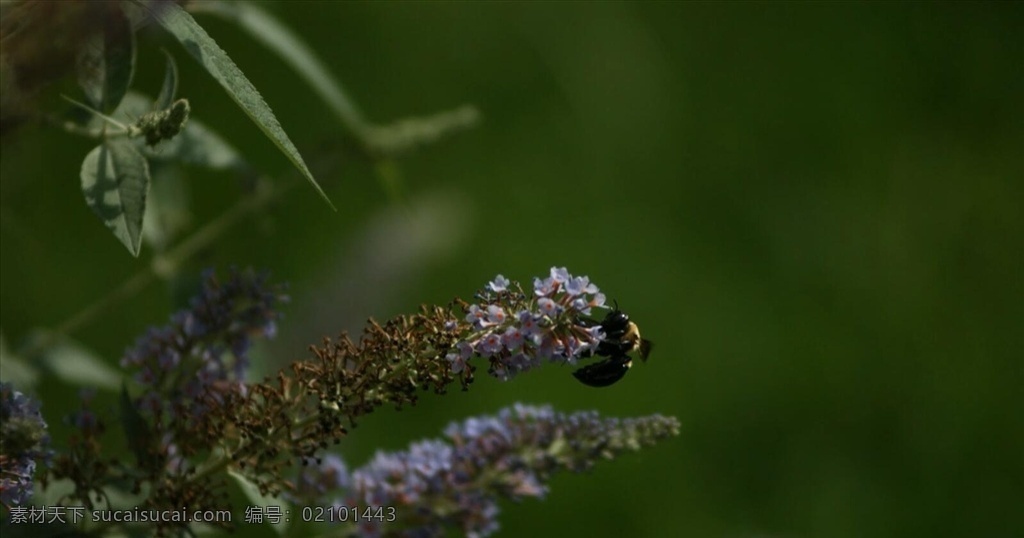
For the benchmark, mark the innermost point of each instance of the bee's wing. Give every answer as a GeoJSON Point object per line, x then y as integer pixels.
{"type": "Point", "coordinates": [604, 373]}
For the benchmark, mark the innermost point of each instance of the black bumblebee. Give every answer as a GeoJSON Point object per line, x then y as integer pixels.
{"type": "Point", "coordinates": [621, 337]}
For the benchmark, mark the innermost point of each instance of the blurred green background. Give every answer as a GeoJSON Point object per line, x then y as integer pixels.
{"type": "Point", "coordinates": [814, 210]}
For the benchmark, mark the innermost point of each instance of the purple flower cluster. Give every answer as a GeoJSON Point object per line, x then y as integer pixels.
{"type": "Point", "coordinates": [516, 331]}
{"type": "Point", "coordinates": [437, 484]}
{"type": "Point", "coordinates": [85, 420]}
{"type": "Point", "coordinates": [207, 344]}
{"type": "Point", "coordinates": [417, 482]}
{"type": "Point", "coordinates": [24, 443]}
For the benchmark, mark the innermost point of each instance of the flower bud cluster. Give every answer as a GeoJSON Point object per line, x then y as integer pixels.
{"type": "Point", "coordinates": [162, 124]}
{"type": "Point", "coordinates": [516, 331]}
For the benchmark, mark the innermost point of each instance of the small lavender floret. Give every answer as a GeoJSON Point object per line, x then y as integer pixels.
{"type": "Point", "coordinates": [548, 307]}
{"type": "Point", "coordinates": [477, 316]}
{"type": "Point", "coordinates": [528, 323]}
{"type": "Point", "coordinates": [459, 357]}
{"type": "Point", "coordinates": [437, 484]}
{"type": "Point", "coordinates": [495, 314]}
{"type": "Point", "coordinates": [560, 275]}
{"type": "Point", "coordinates": [489, 345]}
{"type": "Point", "coordinates": [513, 338]}
{"type": "Point", "coordinates": [544, 287]}
{"type": "Point", "coordinates": [24, 443]}
{"type": "Point", "coordinates": [500, 283]}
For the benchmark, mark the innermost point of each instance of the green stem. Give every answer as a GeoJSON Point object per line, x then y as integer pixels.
{"type": "Point", "coordinates": [99, 114]}
{"type": "Point", "coordinates": [71, 127]}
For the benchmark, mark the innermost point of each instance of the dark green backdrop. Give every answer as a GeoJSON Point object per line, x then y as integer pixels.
{"type": "Point", "coordinates": [812, 209]}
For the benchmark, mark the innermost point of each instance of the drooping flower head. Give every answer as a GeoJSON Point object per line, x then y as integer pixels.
{"type": "Point", "coordinates": [206, 345]}
{"type": "Point", "coordinates": [516, 330]}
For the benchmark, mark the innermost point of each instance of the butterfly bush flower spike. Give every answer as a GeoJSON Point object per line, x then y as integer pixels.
{"type": "Point", "coordinates": [436, 486]}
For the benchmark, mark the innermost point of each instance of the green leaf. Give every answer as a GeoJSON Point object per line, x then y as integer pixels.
{"type": "Point", "coordinates": [167, 212]}
{"type": "Point", "coordinates": [106, 64]}
{"type": "Point", "coordinates": [252, 492]}
{"type": "Point", "coordinates": [134, 105]}
{"type": "Point", "coordinates": [205, 50]}
{"type": "Point", "coordinates": [14, 369]}
{"type": "Point", "coordinates": [170, 85]}
{"type": "Point", "coordinates": [115, 181]}
{"type": "Point", "coordinates": [265, 28]}
{"type": "Point", "coordinates": [136, 429]}
{"type": "Point", "coordinates": [72, 363]}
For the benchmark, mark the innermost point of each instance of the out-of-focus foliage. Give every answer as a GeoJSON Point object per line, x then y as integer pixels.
{"type": "Point", "coordinates": [813, 210]}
